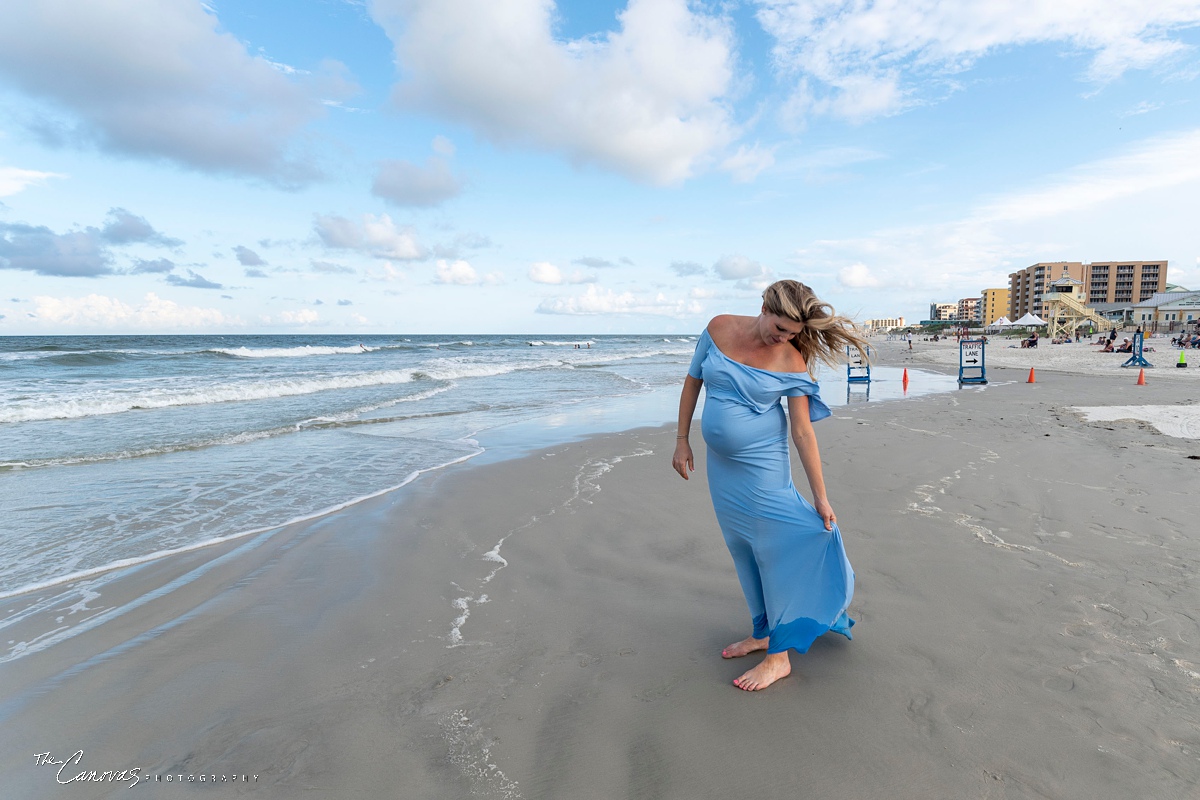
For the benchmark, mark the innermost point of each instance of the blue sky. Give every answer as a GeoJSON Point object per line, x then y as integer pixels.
{"type": "Point", "coordinates": [436, 166]}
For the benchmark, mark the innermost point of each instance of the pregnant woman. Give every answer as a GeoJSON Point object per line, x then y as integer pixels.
{"type": "Point", "coordinates": [788, 552]}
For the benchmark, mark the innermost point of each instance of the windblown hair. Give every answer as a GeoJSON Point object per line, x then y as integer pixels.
{"type": "Point", "coordinates": [825, 335]}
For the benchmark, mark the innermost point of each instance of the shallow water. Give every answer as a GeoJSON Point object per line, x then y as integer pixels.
{"type": "Point", "coordinates": [118, 450]}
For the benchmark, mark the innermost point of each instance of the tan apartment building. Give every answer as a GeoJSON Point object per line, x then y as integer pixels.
{"type": "Point", "coordinates": [1026, 286]}
{"type": "Point", "coordinates": [1107, 282]}
{"type": "Point", "coordinates": [884, 323]}
{"type": "Point", "coordinates": [993, 305]}
{"type": "Point", "coordinates": [968, 309]}
{"type": "Point", "coordinates": [1128, 282]}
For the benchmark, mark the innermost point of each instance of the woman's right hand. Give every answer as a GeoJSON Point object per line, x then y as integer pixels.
{"type": "Point", "coordinates": [682, 461]}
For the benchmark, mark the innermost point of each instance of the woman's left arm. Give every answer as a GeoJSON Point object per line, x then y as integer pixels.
{"type": "Point", "coordinates": [805, 439]}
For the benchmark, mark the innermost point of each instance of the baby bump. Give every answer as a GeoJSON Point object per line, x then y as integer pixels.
{"type": "Point", "coordinates": [732, 429]}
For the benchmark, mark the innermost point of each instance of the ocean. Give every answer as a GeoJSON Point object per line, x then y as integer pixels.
{"type": "Point", "coordinates": [119, 450]}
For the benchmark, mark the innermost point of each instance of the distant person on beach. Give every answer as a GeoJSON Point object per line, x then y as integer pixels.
{"type": "Point", "coordinates": [789, 555]}
{"type": "Point", "coordinates": [910, 340]}
{"type": "Point", "coordinates": [1108, 346]}
{"type": "Point", "coordinates": [1126, 347]}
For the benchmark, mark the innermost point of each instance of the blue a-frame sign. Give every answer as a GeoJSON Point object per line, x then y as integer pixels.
{"type": "Point", "coordinates": [972, 363]}
{"type": "Point", "coordinates": [858, 369]}
{"type": "Point", "coordinates": [1136, 359]}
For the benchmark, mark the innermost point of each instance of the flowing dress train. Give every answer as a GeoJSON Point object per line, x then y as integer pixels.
{"type": "Point", "coordinates": [795, 575]}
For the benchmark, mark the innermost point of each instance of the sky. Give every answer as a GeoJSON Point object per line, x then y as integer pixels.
{"type": "Point", "coordinates": [587, 167]}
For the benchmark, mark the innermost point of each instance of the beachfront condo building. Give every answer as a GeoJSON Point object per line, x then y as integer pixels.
{"type": "Point", "coordinates": [1104, 282]}
{"type": "Point", "coordinates": [884, 323]}
{"type": "Point", "coordinates": [993, 304]}
{"type": "Point", "coordinates": [1127, 282]}
{"type": "Point", "coordinates": [1026, 287]}
{"type": "Point", "coordinates": [942, 311]}
{"type": "Point", "coordinates": [967, 309]}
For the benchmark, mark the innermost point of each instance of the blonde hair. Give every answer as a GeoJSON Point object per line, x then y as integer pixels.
{"type": "Point", "coordinates": [825, 334]}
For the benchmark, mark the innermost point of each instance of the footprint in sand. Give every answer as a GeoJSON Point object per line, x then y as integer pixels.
{"type": "Point", "coordinates": [1059, 683]}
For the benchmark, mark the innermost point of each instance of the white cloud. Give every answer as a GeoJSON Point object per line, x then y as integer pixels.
{"type": "Point", "coordinates": [1153, 164]}
{"type": "Point", "coordinates": [387, 273]}
{"type": "Point", "coordinates": [407, 184]}
{"type": "Point", "coordinates": [698, 293]}
{"type": "Point", "coordinates": [747, 162]}
{"type": "Point", "coordinates": [686, 269]}
{"type": "Point", "coordinates": [160, 79]}
{"type": "Point", "coordinates": [95, 311]}
{"type": "Point", "coordinates": [13, 179]}
{"type": "Point", "coordinates": [377, 236]}
{"type": "Point", "coordinates": [1144, 107]}
{"type": "Point", "coordinates": [647, 100]}
{"type": "Point", "coordinates": [247, 257]}
{"type": "Point", "coordinates": [857, 276]}
{"type": "Point", "coordinates": [458, 272]}
{"type": "Point", "coordinates": [858, 59]}
{"type": "Point", "coordinates": [598, 300]}
{"type": "Point", "coordinates": [545, 272]}
{"type": "Point", "coordinates": [443, 146]}
{"type": "Point", "coordinates": [732, 268]}
{"type": "Point", "coordinates": [304, 316]}
{"type": "Point", "coordinates": [1135, 205]}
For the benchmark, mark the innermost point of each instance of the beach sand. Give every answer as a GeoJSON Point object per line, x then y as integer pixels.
{"type": "Point", "coordinates": [550, 627]}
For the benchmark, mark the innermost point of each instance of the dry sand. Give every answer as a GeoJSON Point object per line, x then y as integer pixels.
{"type": "Point", "coordinates": [1079, 357]}
{"type": "Point", "coordinates": [550, 627]}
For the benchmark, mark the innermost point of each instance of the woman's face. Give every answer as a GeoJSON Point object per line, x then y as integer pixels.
{"type": "Point", "coordinates": [776, 329]}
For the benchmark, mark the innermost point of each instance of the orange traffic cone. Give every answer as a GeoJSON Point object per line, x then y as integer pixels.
{"type": "Point", "coordinates": [904, 380]}
{"type": "Point", "coordinates": [1141, 377]}
{"type": "Point", "coordinates": [1031, 378]}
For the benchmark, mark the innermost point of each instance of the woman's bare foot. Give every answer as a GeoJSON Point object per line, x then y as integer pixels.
{"type": "Point", "coordinates": [772, 668]}
{"type": "Point", "coordinates": [744, 648]}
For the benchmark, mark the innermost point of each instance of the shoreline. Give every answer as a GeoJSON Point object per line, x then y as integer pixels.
{"type": "Point", "coordinates": [592, 594]}
{"type": "Point", "coordinates": [570, 423]}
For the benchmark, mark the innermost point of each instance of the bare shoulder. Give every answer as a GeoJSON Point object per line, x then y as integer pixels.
{"type": "Point", "coordinates": [796, 362]}
{"type": "Point", "coordinates": [726, 329]}
{"type": "Point", "coordinates": [722, 323]}
{"type": "Point", "coordinates": [727, 324]}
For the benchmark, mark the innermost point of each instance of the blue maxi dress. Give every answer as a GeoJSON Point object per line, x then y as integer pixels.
{"type": "Point", "coordinates": [794, 573]}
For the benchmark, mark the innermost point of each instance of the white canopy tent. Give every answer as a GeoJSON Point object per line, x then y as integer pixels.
{"type": "Point", "coordinates": [1000, 322]}
{"type": "Point", "coordinates": [1030, 319]}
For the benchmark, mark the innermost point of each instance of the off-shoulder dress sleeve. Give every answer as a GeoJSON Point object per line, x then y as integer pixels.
{"type": "Point", "coordinates": [696, 370]}
{"type": "Point", "coordinates": [805, 385]}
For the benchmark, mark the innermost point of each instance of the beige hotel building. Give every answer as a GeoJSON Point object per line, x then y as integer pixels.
{"type": "Point", "coordinates": [1104, 282]}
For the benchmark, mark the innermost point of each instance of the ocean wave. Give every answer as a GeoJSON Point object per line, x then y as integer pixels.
{"type": "Point", "coordinates": [594, 360]}
{"type": "Point", "coordinates": [100, 403]}
{"type": "Point", "coordinates": [73, 358]}
{"type": "Point", "coordinates": [448, 369]}
{"type": "Point", "coordinates": [290, 352]}
{"type": "Point", "coordinates": [112, 402]}
{"type": "Point", "coordinates": [572, 343]}
{"type": "Point", "coordinates": [343, 419]}
{"type": "Point", "coordinates": [23, 356]}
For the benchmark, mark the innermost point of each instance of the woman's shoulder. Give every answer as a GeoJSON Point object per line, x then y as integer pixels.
{"type": "Point", "coordinates": [725, 326]}
{"type": "Point", "coordinates": [722, 322]}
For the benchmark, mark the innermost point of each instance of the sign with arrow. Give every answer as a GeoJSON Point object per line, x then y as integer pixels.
{"type": "Point", "coordinates": [971, 365]}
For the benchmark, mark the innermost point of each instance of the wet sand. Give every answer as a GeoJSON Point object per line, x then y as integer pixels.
{"type": "Point", "coordinates": [551, 627]}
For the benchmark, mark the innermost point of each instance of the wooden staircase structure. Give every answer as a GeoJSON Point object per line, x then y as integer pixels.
{"type": "Point", "coordinates": [1064, 314]}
